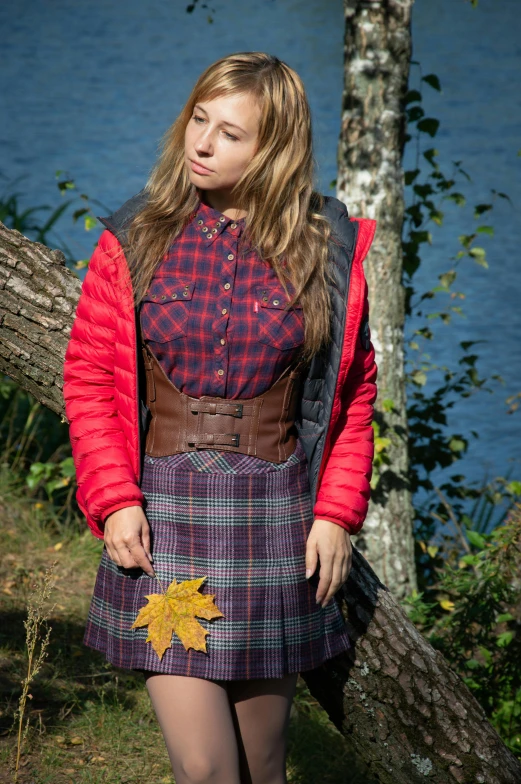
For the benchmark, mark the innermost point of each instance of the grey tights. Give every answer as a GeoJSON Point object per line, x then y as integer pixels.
{"type": "Point", "coordinates": [223, 732]}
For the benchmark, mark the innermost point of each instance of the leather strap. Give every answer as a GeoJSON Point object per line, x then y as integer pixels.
{"type": "Point", "coordinates": [263, 426]}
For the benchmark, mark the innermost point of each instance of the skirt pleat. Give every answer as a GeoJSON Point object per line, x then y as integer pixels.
{"type": "Point", "coordinates": [243, 523]}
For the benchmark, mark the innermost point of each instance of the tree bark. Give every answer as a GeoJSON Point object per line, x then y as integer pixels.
{"type": "Point", "coordinates": [38, 297]}
{"type": "Point", "coordinates": [405, 714]}
{"type": "Point", "coordinates": [370, 182]}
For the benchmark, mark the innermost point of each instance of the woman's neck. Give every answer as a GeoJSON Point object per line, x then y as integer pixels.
{"type": "Point", "coordinates": [223, 203]}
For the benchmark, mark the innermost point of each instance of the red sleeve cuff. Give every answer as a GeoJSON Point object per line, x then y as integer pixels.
{"type": "Point", "coordinates": [116, 507]}
{"type": "Point", "coordinates": [352, 528]}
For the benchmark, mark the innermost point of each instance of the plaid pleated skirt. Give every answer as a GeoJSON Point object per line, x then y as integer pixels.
{"type": "Point", "coordinates": [243, 522]}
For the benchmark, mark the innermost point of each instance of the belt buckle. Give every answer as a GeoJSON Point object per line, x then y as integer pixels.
{"type": "Point", "coordinates": [238, 411]}
{"type": "Point", "coordinates": [235, 438]}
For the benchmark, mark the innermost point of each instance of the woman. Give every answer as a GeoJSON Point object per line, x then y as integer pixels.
{"type": "Point", "coordinates": [219, 384]}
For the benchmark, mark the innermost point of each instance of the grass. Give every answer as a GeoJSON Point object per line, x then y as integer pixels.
{"type": "Point", "coordinates": [91, 723]}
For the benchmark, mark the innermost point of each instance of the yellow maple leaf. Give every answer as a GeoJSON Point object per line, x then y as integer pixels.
{"type": "Point", "coordinates": [175, 611]}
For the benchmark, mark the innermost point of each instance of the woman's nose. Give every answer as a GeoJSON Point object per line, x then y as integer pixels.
{"type": "Point", "coordinates": [204, 145]}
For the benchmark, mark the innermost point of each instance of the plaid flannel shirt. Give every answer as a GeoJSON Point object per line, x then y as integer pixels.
{"type": "Point", "coordinates": [214, 314]}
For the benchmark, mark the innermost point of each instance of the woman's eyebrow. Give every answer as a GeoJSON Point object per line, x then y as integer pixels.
{"type": "Point", "coordinates": [224, 122]}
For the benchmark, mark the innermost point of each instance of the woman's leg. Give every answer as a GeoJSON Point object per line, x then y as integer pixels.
{"type": "Point", "coordinates": [195, 718]}
{"type": "Point", "coordinates": [261, 713]}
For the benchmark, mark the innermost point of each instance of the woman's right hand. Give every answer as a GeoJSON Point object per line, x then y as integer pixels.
{"type": "Point", "coordinates": [127, 539]}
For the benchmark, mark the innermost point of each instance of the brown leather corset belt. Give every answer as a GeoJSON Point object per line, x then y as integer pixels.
{"type": "Point", "coordinates": [262, 426]}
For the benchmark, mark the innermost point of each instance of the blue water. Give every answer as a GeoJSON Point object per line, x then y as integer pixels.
{"type": "Point", "coordinates": [90, 88]}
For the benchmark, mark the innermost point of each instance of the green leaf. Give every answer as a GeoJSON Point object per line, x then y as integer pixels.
{"type": "Point", "coordinates": [514, 488]}
{"type": "Point", "coordinates": [413, 96]}
{"type": "Point", "coordinates": [67, 467]}
{"type": "Point", "coordinates": [429, 125]}
{"type": "Point", "coordinates": [457, 198]}
{"type": "Point", "coordinates": [504, 639]}
{"type": "Point", "coordinates": [387, 404]}
{"type": "Point", "coordinates": [78, 213]}
{"type": "Point", "coordinates": [479, 209]}
{"type": "Point", "coordinates": [456, 444]}
{"type": "Point", "coordinates": [476, 539]}
{"type": "Point", "coordinates": [471, 560]}
{"type": "Point", "coordinates": [414, 113]}
{"type": "Point", "coordinates": [466, 239]}
{"type": "Point", "coordinates": [504, 617]}
{"type": "Point", "coordinates": [485, 230]}
{"type": "Point", "coordinates": [478, 254]}
{"type": "Point", "coordinates": [90, 222]}
{"type": "Point", "coordinates": [430, 154]}
{"type": "Point", "coordinates": [419, 378]}
{"type": "Point", "coordinates": [433, 81]}
{"type": "Point", "coordinates": [447, 279]}
{"type": "Point", "coordinates": [410, 176]}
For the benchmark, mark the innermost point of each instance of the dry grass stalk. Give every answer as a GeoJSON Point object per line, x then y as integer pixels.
{"type": "Point", "coordinates": [37, 635]}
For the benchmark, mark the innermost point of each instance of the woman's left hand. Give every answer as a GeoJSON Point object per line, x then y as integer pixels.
{"type": "Point", "coordinates": [331, 544]}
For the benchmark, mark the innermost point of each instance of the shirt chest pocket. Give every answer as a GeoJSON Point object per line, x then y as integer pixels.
{"type": "Point", "coordinates": [277, 326]}
{"type": "Point", "coordinates": [166, 308]}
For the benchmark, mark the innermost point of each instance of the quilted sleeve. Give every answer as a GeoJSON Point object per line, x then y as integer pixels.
{"type": "Point", "coordinates": [343, 494]}
{"type": "Point", "coordinates": [104, 473]}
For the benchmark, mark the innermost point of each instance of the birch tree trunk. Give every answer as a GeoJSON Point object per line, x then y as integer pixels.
{"type": "Point", "coordinates": [405, 714]}
{"type": "Point", "coordinates": [370, 182]}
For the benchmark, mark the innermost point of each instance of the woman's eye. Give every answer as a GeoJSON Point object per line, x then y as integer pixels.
{"type": "Point", "coordinates": [196, 118]}
{"type": "Point", "coordinates": [229, 136]}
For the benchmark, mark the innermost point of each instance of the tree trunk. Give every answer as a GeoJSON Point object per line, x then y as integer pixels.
{"type": "Point", "coordinates": [38, 297]}
{"type": "Point", "coordinates": [401, 708]}
{"type": "Point", "coordinates": [370, 182]}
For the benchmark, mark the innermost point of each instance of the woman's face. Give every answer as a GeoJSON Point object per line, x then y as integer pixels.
{"type": "Point", "coordinates": [220, 141]}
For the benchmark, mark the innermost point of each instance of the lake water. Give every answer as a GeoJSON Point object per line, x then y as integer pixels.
{"type": "Point", "coordinates": [90, 88]}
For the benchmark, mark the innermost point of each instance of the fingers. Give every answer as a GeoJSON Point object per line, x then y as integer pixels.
{"type": "Point", "coordinates": [335, 564]}
{"type": "Point", "coordinates": [311, 557]}
{"type": "Point", "coordinates": [326, 574]}
{"type": "Point", "coordinates": [339, 576]}
{"type": "Point", "coordinates": [127, 540]}
{"type": "Point", "coordinates": [145, 538]}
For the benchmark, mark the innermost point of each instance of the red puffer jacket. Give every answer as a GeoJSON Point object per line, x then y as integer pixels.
{"type": "Point", "coordinates": [102, 401]}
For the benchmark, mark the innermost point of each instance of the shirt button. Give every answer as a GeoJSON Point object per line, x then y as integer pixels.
{"type": "Point", "coordinates": [214, 231]}
{"type": "Point", "coordinates": [224, 311]}
{"type": "Point", "coordinates": [223, 342]}
{"type": "Point", "coordinates": [233, 225]}
{"type": "Point", "coordinates": [200, 222]}
{"type": "Point", "coordinates": [276, 301]}
{"type": "Point", "coordinates": [205, 228]}
{"type": "Point", "coordinates": [226, 286]}
{"type": "Point", "coordinates": [174, 296]}
{"type": "Point", "coordinates": [220, 372]}
{"type": "Point", "coordinates": [222, 218]}
{"type": "Point", "coordinates": [230, 256]}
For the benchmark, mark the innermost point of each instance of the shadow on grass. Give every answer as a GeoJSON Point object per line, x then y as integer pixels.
{"type": "Point", "coordinates": [317, 752]}
{"type": "Point", "coordinates": [71, 677]}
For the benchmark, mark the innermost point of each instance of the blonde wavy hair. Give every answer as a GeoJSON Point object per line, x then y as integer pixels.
{"type": "Point", "coordinates": [283, 222]}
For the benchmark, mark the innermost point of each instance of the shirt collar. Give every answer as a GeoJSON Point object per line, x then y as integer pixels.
{"type": "Point", "coordinates": [211, 223]}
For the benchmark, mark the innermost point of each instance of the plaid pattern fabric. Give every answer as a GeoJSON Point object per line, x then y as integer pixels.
{"type": "Point", "coordinates": [243, 523]}
{"type": "Point", "coordinates": [220, 305]}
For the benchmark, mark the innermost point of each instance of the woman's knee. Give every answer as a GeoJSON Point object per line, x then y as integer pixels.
{"type": "Point", "coordinates": [201, 769]}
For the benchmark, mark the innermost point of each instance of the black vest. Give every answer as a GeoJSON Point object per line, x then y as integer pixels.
{"type": "Point", "coordinates": [318, 390]}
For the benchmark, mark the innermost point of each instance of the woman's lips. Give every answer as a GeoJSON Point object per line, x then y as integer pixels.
{"type": "Point", "coordinates": [199, 169]}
